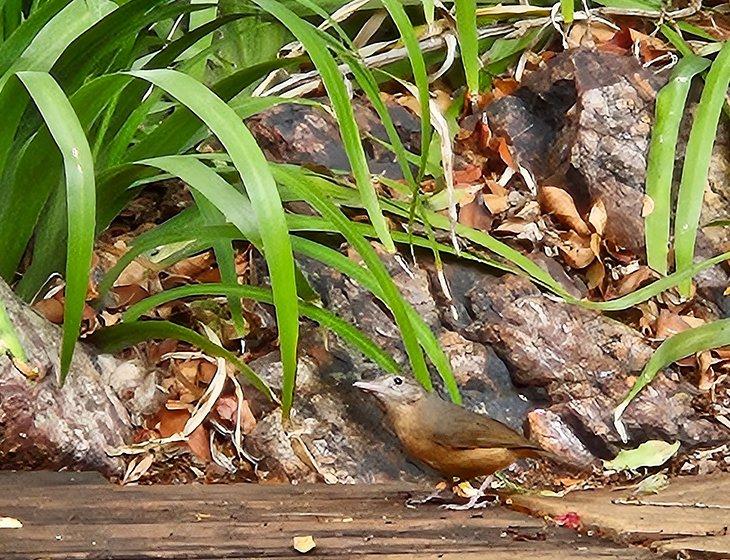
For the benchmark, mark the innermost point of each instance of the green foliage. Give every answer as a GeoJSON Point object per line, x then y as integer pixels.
{"type": "Point", "coordinates": [100, 98]}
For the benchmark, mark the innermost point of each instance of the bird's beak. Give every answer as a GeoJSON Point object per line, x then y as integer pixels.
{"type": "Point", "coordinates": [368, 386]}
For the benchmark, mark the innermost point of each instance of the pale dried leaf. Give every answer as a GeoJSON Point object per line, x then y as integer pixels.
{"type": "Point", "coordinates": [560, 204]}
{"type": "Point", "coordinates": [598, 217]}
{"type": "Point", "coordinates": [303, 544]}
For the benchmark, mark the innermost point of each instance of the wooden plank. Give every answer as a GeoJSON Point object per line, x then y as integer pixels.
{"type": "Point", "coordinates": [692, 510]}
{"type": "Point", "coordinates": [79, 517]}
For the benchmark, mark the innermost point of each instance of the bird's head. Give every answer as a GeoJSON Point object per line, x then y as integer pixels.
{"type": "Point", "coordinates": [393, 390]}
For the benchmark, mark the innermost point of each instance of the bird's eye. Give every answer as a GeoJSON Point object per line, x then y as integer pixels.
{"type": "Point", "coordinates": [398, 380]}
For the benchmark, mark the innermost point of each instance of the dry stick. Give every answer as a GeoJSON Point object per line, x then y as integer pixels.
{"type": "Point", "coordinates": [695, 505]}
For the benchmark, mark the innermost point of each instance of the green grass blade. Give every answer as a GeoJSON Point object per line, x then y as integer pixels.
{"type": "Point", "coordinates": [49, 42]}
{"type": "Point", "coordinates": [124, 335]}
{"type": "Point", "coordinates": [420, 76]}
{"type": "Point", "coordinates": [660, 169]}
{"type": "Point", "coordinates": [325, 318]}
{"type": "Point", "coordinates": [300, 182]}
{"type": "Point", "coordinates": [681, 345]}
{"type": "Point", "coordinates": [566, 10]}
{"type": "Point", "coordinates": [261, 188]}
{"type": "Point", "coordinates": [9, 341]}
{"type": "Point", "coordinates": [337, 91]}
{"type": "Point", "coordinates": [362, 276]}
{"type": "Point", "coordinates": [697, 161]}
{"type": "Point", "coordinates": [68, 134]}
{"type": "Point", "coordinates": [466, 24]}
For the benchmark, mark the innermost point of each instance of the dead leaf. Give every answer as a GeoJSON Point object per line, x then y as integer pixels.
{"type": "Point", "coordinates": [576, 250]}
{"type": "Point", "coordinates": [668, 324]}
{"type": "Point", "coordinates": [631, 282]}
{"type": "Point", "coordinates": [470, 174]}
{"type": "Point", "coordinates": [496, 203]}
{"type": "Point", "coordinates": [560, 204]}
{"type": "Point", "coordinates": [584, 34]}
{"type": "Point", "coordinates": [248, 420]}
{"type": "Point", "coordinates": [598, 217]}
{"type": "Point", "coordinates": [475, 215]}
{"type": "Point", "coordinates": [303, 544]}
{"type": "Point", "coordinates": [199, 443]}
{"type": "Point", "coordinates": [595, 274]}
{"type": "Point", "coordinates": [51, 309]}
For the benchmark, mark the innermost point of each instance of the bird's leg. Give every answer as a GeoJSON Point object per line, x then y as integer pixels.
{"type": "Point", "coordinates": [473, 502]}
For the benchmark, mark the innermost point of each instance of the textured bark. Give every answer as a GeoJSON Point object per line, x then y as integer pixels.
{"type": "Point", "coordinates": [46, 426]}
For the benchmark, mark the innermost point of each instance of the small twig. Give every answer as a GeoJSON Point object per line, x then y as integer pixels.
{"type": "Point", "coordinates": [695, 505]}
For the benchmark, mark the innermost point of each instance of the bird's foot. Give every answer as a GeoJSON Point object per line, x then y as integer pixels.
{"type": "Point", "coordinates": [473, 503]}
{"type": "Point", "coordinates": [435, 495]}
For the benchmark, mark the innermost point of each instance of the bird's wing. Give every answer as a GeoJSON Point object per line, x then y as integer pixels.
{"type": "Point", "coordinates": [458, 428]}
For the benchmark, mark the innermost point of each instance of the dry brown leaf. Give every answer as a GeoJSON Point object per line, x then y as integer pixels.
{"type": "Point", "coordinates": [470, 174]}
{"type": "Point", "coordinates": [585, 33]}
{"type": "Point", "coordinates": [706, 375]}
{"type": "Point", "coordinates": [560, 204]}
{"type": "Point", "coordinates": [631, 282]}
{"type": "Point", "coordinates": [598, 217]}
{"type": "Point", "coordinates": [668, 324]}
{"type": "Point", "coordinates": [576, 250]}
{"type": "Point", "coordinates": [51, 309]}
{"type": "Point", "coordinates": [172, 422]}
{"type": "Point", "coordinates": [129, 295]}
{"type": "Point", "coordinates": [512, 225]}
{"type": "Point", "coordinates": [206, 371]}
{"type": "Point", "coordinates": [248, 421]}
{"type": "Point", "coordinates": [134, 273]}
{"type": "Point", "coordinates": [496, 203]}
{"type": "Point", "coordinates": [474, 215]}
{"type": "Point", "coordinates": [199, 443]}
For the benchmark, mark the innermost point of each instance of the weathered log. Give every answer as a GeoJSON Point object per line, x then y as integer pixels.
{"type": "Point", "coordinates": [44, 425]}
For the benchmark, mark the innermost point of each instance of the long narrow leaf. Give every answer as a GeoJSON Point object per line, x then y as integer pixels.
{"type": "Point", "coordinates": [660, 169]}
{"type": "Point", "coordinates": [325, 318]}
{"type": "Point", "coordinates": [466, 24]}
{"type": "Point", "coordinates": [261, 188]}
{"type": "Point", "coordinates": [697, 161]}
{"type": "Point", "coordinates": [300, 182]}
{"type": "Point", "coordinates": [420, 77]}
{"type": "Point", "coordinates": [681, 345]}
{"type": "Point", "coordinates": [337, 91]}
{"type": "Point", "coordinates": [80, 199]}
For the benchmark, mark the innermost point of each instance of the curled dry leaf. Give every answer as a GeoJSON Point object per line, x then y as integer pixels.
{"type": "Point", "coordinates": [51, 309]}
{"type": "Point", "coordinates": [595, 274]}
{"type": "Point", "coordinates": [560, 204]}
{"type": "Point", "coordinates": [598, 217]}
{"type": "Point", "coordinates": [631, 282]}
{"type": "Point", "coordinates": [576, 250]}
{"type": "Point", "coordinates": [475, 215]}
{"type": "Point", "coordinates": [668, 324]}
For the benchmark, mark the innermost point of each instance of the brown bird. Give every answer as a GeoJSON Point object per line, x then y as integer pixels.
{"type": "Point", "coordinates": [455, 441]}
